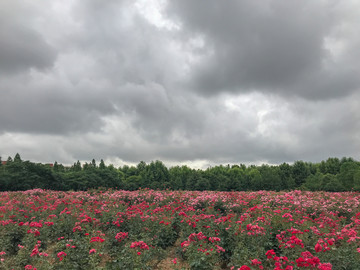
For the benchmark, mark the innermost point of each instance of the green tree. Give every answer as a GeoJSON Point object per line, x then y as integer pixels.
{"type": "Point", "coordinates": [314, 181]}
{"type": "Point", "coordinates": [178, 176]}
{"type": "Point", "coordinates": [285, 173]}
{"type": "Point", "coordinates": [191, 181]}
{"type": "Point", "coordinates": [17, 158]}
{"type": "Point", "coordinates": [331, 165]}
{"type": "Point", "coordinates": [155, 174]}
{"type": "Point", "coordinates": [58, 167]}
{"type": "Point", "coordinates": [270, 177]}
{"type": "Point", "coordinates": [202, 184]}
{"type": "Point", "coordinates": [128, 171]}
{"type": "Point", "coordinates": [133, 182]}
{"type": "Point", "coordinates": [357, 180]}
{"type": "Point", "coordinates": [300, 171]}
{"type": "Point", "coordinates": [237, 178]}
{"type": "Point", "coordinates": [102, 165]}
{"type": "Point", "coordinates": [219, 178]}
{"type": "Point", "coordinates": [76, 167]}
{"type": "Point", "coordinates": [93, 163]}
{"type": "Point", "coordinates": [86, 166]}
{"type": "Point", "coordinates": [256, 182]}
{"type": "Point", "coordinates": [346, 175]}
{"type": "Point", "coordinates": [331, 183]}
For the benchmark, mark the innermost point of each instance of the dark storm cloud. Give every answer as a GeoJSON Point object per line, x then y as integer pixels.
{"type": "Point", "coordinates": [272, 46]}
{"type": "Point", "coordinates": [21, 47]}
{"type": "Point", "coordinates": [200, 82]}
{"type": "Point", "coordinates": [108, 47]}
{"type": "Point", "coordinates": [44, 105]}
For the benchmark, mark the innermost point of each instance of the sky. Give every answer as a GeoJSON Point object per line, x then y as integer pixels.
{"type": "Point", "coordinates": [199, 83]}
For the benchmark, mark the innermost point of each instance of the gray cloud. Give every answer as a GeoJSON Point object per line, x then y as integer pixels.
{"type": "Point", "coordinates": [272, 46]}
{"type": "Point", "coordinates": [181, 82]}
{"type": "Point", "coordinates": [21, 47]}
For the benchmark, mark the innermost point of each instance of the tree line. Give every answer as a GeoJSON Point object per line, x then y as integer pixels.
{"type": "Point", "coordinates": [334, 174]}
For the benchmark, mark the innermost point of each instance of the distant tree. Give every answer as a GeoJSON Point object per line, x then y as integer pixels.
{"type": "Point", "coordinates": [132, 182]}
{"type": "Point", "coordinates": [58, 167]}
{"type": "Point", "coordinates": [331, 183]}
{"type": "Point", "coordinates": [110, 177]}
{"type": "Point", "coordinates": [178, 176]}
{"type": "Point", "coordinates": [270, 177]}
{"type": "Point", "coordinates": [86, 166]}
{"type": "Point", "coordinates": [5, 180]}
{"type": "Point", "coordinates": [202, 184]}
{"type": "Point", "coordinates": [77, 166]}
{"type": "Point", "coordinates": [191, 181]}
{"type": "Point", "coordinates": [223, 182]}
{"type": "Point", "coordinates": [102, 165]}
{"type": "Point", "coordinates": [141, 167]}
{"type": "Point", "coordinates": [356, 180]}
{"type": "Point", "coordinates": [128, 171]}
{"type": "Point", "coordinates": [256, 182]}
{"type": "Point", "coordinates": [155, 172]}
{"type": "Point", "coordinates": [17, 158]}
{"type": "Point", "coordinates": [313, 168]}
{"type": "Point", "coordinates": [285, 173]}
{"type": "Point", "coordinates": [300, 171]}
{"type": "Point", "coordinates": [237, 179]}
{"type": "Point", "coordinates": [331, 165]}
{"type": "Point", "coordinates": [346, 159]}
{"type": "Point", "coordinates": [330, 175]}
{"type": "Point", "coordinates": [93, 163]}
{"type": "Point", "coordinates": [59, 182]}
{"type": "Point", "coordinates": [219, 179]}
{"type": "Point", "coordinates": [314, 181]}
{"type": "Point", "coordinates": [213, 179]}
{"type": "Point", "coordinates": [346, 175]}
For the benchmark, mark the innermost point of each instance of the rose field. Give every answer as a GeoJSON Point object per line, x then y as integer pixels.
{"type": "Point", "coordinates": [147, 229]}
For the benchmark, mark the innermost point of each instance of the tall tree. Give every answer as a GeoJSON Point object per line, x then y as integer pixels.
{"type": "Point", "coordinates": [102, 165]}
{"type": "Point", "coordinates": [285, 172]}
{"type": "Point", "coordinates": [300, 172]}
{"type": "Point", "coordinates": [331, 165]}
{"type": "Point", "coordinates": [155, 174]}
{"type": "Point", "coordinates": [347, 172]}
{"type": "Point", "coordinates": [314, 182]}
{"type": "Point", "coordinates": [331, 183]}
{"type": "Point", "coordinates": [256, 182]}
{"type": "Point", "coordinates": [93, 163]}
{"type": "Point", "coordinates": [17, 158]}
{"type": "Point", "coordinates": [178, 176]}
{"type": "Point", "coordinates": [76, 167]}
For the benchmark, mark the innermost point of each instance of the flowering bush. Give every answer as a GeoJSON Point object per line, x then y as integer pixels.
{"type": "Point", "coordinates": [100, 229]}
{"type": "Point", "coordinates": [201, 251]}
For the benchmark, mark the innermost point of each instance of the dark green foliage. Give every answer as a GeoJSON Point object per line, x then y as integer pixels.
{"type": "Point", "coordinates": [178, 177]}
{"type": "Point", "coordinates": [314, 182]}
{"type": "Point", "coordinates": [330, 175]}
{"type": "Point", "coordinates": [300, 171]}
{"type": "Point", "coordinates": [331, 165]}
{"type": "Point", "coordinates": [11, 238]}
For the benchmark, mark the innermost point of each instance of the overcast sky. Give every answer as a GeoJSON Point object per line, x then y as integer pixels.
{"type": "Point", "coordinates": [186, 82]}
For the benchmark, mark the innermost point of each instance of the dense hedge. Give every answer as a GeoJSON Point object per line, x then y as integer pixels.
{"type": "Point", "coordinates": [331, 175]}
